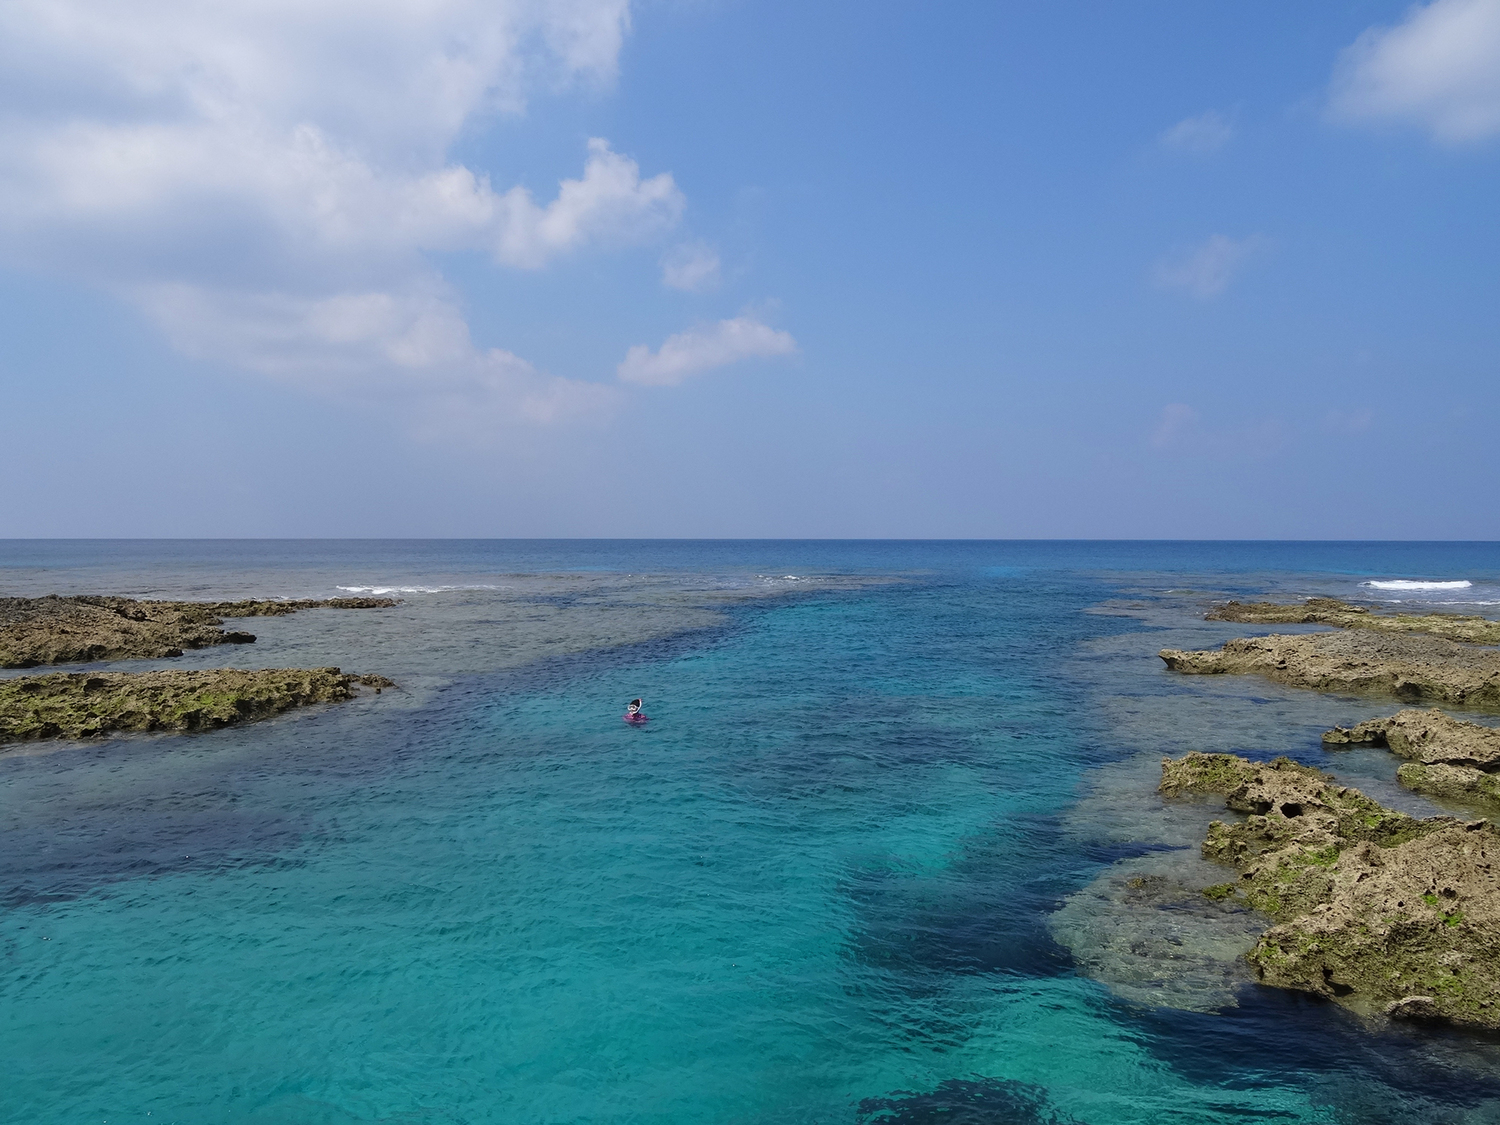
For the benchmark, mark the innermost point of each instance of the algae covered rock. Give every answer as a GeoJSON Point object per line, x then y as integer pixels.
{"type": "Point", "coordinates": [1330, 611]}
{"type": "Point", "coordinates": [1407, 666]}
{"type": "Point", "coordinates": [85, 705]}
{"type": "Point", "coordinates": [1374, 908]}
{"type": "Point", "coordinates": [1417, 922]}
{"type": "Point", "coordinates": [76, 630]}
{"type": "Point", "coordinates": [1449, 758]}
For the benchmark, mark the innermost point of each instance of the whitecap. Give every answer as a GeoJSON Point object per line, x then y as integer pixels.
{"type": "Point", "coordinates": [1409, 584]}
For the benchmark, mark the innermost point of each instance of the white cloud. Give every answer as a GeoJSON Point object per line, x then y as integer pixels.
{"type": "Point", "coordinates": [702, 349]}
{"type": "Point", "coordinates": [412, 347]}
{"type": "Point", "coordinates": [1439, 69]}
{"type": "Point", "coordinates": [692, 267]}
{"type": "Point", "coordinates": [264, 178]}
{"type": "Point", "coordinates": [1206, 270]}
{"type": "Point", "coordinates": [1205, 132]}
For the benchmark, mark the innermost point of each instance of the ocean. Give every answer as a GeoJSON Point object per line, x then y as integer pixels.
{"type": "Point", "coordinates": [864, 864]}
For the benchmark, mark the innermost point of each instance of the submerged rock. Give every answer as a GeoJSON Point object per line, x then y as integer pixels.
{"type": "Point", "coordinates": [1409, 666]}
{"type": "Point", "coordinates": [1330, 611]}
{"type": "Point", "coordinates": [84, 705]}
{"type": "Point", "coordinates": [76, 630]}
{"type": "Point", "coordinates": [1375, 909]}
{"type": "Point", "coordinates": [1145, 929]}
{"type": "Point", "coordinates": [1449, 758]}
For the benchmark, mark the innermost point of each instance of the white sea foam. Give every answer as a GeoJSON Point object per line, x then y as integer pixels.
{"type": "Point", "coordinates": [1409, 584]}
{"type": "Point", "coordinates": [382, 590]}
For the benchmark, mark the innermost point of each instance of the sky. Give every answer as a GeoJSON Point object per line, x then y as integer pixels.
{"type": "Point", "coordinates": [722, 268]}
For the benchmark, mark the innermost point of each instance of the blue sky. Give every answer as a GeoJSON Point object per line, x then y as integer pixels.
{"type": "Point", "coordinates": [578, 267]}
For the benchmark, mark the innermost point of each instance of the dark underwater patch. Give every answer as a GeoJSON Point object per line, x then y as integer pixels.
{"type": "Point", "coordinates": [966, 1101]}
{"type": "Point", "coordinates": [986, 913]}
{"type": "Point", "coordinates": [1374, 1073]}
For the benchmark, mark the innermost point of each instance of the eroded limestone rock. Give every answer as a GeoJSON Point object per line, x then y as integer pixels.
{"type": "Point", "coordinates": [1429, 737]}
{"type": "Point", "coordinates": [86, 705]}
{"type": "Point", "coordinates": [1449, 758]}
{"type": "Point", "coordinates": [1330, 611]}
{"type": "Point", "coordinates": [1375, 909]}
{"type": "Point", "coordinates": [76, 630]}
{"type": "Point", "coordinates": [1409, 666]}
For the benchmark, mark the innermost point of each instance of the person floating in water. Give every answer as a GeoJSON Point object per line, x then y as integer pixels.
{"type": "Point", "coordinates": [633, 713]}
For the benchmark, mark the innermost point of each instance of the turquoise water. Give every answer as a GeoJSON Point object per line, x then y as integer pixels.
{"type": "Point", "coordinates": [815, 888]}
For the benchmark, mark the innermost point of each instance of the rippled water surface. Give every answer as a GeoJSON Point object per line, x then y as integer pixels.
{"type": "Point", "coordinates": [866, 863]}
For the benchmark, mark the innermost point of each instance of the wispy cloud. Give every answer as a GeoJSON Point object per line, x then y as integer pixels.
{"type": "Point", "coordinates": [268, 188]}
{"type": "Point", "coordinates": [1177, 421]}
{"type": "Point", "coordinates": [1204, 132]}
{"type": "Point", "coordinates": [1439, 69]}
{"type": "Point", "coordinates": [692, 267]}
{"type": "Point", "coordinates": [702, 349]}
{"type": "Point", "coordinates": [1205, 270]}
{"type": "Point", "coordinates": [1181, 431]}
{"type": "Point", "coordinates": [1350, 421]}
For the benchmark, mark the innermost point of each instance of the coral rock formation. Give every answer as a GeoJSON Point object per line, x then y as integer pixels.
{"type": "Point", "coordinates": [75, 630]}
{"type": "Point", "coordinates": [1375, 909]}
{"type": "Point", "coordinates": [1448, 757]}
{"type": "Point", "coordinates": [1331, 611]}
{"type": "Point", "coordinates": [1410, 667]}
{"type": "Point", "coordinates": [85, 705]}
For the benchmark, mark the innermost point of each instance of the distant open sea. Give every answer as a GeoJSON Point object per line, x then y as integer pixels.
{"type": "Point", "coordinates": [821, 885]}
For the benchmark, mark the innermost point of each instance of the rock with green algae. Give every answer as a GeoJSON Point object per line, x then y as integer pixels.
{"type": "Point", "coordinates": [77, 630]}
{"type": "Point", "coordinates": [1407, 666]}
{"type": "Point", "coordinates": [1449, 758]}
{"type": "Point", "coordinates": [86, 705]}
{"type": "Point", "coordinates": [1375, 909]}
{"type": "Point", "coordinates": [1330, 611]}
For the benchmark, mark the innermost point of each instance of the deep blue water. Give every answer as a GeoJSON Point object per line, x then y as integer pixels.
{"type": "Point", "coordinates": [817, 887]}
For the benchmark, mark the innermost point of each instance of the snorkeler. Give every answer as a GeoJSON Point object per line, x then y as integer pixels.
{"type": "Point", "coordinates": [633, 713]}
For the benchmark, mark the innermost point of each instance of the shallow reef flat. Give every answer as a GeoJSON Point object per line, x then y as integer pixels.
{"type": "Point", "coordinates": [1145, 929]}
{"type": "Point", "coordinates": [1330, 611]}
{"type": "Point", "coordinates": [1408, 666]}
{"type": "Point", "coordinates": [87, 705]}
{"type": "Point", "coordinates": [85, 628]}
{"type": "Point", "coordinates": [1375, 909]}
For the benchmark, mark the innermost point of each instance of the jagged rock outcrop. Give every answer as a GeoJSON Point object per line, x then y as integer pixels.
{"type": "Point", "coordinates": [1448, 757]}
{"type": "Point", "coordinates": [1410, 667]}
{"type": "Point", "coordinates": [76, 630]}
{"type": "Point", "coordinates": [86, 705]}
{"type": "Point", "coordinates": [1375, 909]}
{"type": "Point", "coordinates": [1330, 611]}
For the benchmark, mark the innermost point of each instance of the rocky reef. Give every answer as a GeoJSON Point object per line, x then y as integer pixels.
{"type": "Point", "coordinates": [75, 630]}
{"type": "Point", "coordinates": [1375, 909]}
{"type": "Point", "coordinates": [1448, 757]}
{"type": "Point", "coordinates": [1331, 611]}
{"type": "Point", "coordinates": [1408, 666]}
{"type": "Point", "coordinates": [86, 705]}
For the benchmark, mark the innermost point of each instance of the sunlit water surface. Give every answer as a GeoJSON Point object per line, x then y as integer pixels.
{"type": "Point", "coordinates": [852, 870]}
